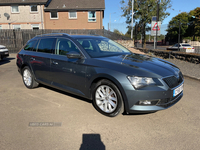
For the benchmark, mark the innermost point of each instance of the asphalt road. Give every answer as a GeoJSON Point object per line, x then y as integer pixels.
{"type": "Point", "coordinates": [74, 124]}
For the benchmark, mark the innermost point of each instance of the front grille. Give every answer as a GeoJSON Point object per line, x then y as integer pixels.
{"type": "Point", "coordinates": [173, 81]}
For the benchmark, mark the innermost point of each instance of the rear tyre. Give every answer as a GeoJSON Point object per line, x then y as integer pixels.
{"type": "Point", "coordinates": [107, 98]}
{"type": "Point", "coordinates": [28, 78]}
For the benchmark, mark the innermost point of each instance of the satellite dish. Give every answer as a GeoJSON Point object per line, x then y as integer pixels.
{"type": "Point", "coordinates": [7, 16]}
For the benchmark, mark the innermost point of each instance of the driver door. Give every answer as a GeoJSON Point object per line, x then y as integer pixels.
{"type": "Point", "coordinates": [67, 74]}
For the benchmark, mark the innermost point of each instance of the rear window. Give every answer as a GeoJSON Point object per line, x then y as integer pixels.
{"type": "Point", "coordinates": [186, 45]}
{"type": "Point", "coordinates": [29, 46]}
{"type": "Point", "coordinates": [46, 45]}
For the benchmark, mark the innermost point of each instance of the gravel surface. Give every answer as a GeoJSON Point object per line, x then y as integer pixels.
{"type": "Point", "coordinates": [188, 69]}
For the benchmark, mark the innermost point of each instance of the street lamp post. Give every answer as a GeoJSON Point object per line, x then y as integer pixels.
{"type": "Point", "coordinates": [157, 19]}
{"type": "Point", "coordinates": [132, 19]}
{"type": "Point", "coordinates": [179, 35]}
{"type": "Point", "coordinates": [110, 21]}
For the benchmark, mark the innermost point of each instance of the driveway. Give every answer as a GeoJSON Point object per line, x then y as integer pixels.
{"type": "Point", "coordinates": [48, 119]}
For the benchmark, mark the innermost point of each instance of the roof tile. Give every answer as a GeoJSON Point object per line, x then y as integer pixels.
{"type": "Point", "coordinates": [76, 4]}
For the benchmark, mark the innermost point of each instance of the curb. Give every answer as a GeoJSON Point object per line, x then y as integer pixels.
{"type": "Point", "coordinates": [191, 77]}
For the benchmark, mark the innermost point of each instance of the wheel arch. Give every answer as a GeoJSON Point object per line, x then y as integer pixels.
{"type": "Point", "coordinates": [24, 65]}
{"type": "Point", "coordinates": [114, 81]}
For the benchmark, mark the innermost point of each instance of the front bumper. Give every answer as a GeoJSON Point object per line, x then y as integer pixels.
{"type": "Point", "coordinates": [162, 106]}
{"type": "Point", "coordinates": [164, 96]}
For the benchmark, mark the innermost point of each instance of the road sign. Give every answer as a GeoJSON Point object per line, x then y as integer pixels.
{"type": "Point", "coordinates": [154, 18]}
{"type": "Point", "coordinates": [155, 26]}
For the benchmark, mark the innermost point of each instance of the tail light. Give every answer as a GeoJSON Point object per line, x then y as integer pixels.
{"type": "Point", "coordinates": [193, 48]}
{"type": "Point", "coordinates": [184, 48]}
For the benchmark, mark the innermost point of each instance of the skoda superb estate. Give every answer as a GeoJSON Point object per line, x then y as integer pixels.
{"type": "Point", "coordinates": [99, 69]}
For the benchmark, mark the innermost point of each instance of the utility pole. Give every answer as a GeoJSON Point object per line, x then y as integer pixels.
{"type": "Point", "coordinates": [135, 40]}
{"type": "Point", "coordinates": [179, 35]}
{"type": "Point", "coordinates": [132, 19]}
{"type": "Point", "coordinates": [157, 19]}
{"type": "Point", "coordinates": [109, 21]}
{"type": "Point", "coordinates": [109, 24]}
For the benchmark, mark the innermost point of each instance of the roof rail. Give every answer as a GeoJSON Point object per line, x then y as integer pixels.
{"type": "Point", "coordinates": [50, 34]}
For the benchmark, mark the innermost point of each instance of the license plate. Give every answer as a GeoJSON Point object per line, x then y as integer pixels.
{"type": "Point", "coordinates": [178, 90]}
{"type": "Point", "coordinates": [188, 48]}
{"type": "Point", "coordinates": [6, 53]}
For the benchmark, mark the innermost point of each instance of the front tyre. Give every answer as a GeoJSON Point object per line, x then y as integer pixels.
{"type": "Point", "coordinates": [107, 98]}
{"type": "Point", "coordinates": [28, 78]}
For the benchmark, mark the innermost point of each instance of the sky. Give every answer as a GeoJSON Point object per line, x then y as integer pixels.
{"type": "Point", "coordinates": [113, 11]}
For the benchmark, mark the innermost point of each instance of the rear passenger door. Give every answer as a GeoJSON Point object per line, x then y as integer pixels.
{"type": "Point", "coordinates": [40, 59]}
{"type": "Point", "coordinates": [68, 74]}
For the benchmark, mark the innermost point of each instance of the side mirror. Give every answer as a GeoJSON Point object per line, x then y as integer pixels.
{"type": "Point", "coordinates": [74, 55]}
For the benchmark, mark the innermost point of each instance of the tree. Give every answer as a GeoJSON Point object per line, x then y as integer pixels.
{"type": "Point", "coordinates": [118, 32]}
{"type": "Point", "coordinates": [173, 27]}
{"type": "Point", "coordinates": [143, 12]}
{"type": "Point", "coordinates": [194, 23]}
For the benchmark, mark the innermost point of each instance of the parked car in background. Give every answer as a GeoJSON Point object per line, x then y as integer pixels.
{"type": "Point", "coordinates": [3, 52]}
{"type": "Point", "coordinates": [183, 47]}
{"type": "Point", "coordinates": [100, 69]}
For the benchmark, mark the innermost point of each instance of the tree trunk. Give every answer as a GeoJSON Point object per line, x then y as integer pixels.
{"type": "Point", "coordinates": [143, 36]}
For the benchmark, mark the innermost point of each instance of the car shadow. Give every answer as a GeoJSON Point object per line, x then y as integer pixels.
{"type": "Point", "coordinates": [135, 114]}
{"type": "Point", "coordinates": [92, 142]}
{"type": "Point", "coordinates": [6, 60]}
{"type": "Point", "coordinates": [66, 93]}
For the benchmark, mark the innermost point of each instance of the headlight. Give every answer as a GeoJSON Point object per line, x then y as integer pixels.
{"type": "Point", "coordinates": [139, 82]}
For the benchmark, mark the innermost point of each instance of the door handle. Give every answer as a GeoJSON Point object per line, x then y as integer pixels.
{"type": "Point", "coordinates": [67, 69]}
{"type": "Point", "coordinates": [55, 63]}
{"type": "Point", "coordinates": [32, 58]}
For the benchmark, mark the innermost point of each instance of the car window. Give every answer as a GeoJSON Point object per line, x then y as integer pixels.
{"type": "Point", "coordinates": [86, 44]}
{"type": "Point", "coordinates": [46, 45]}
{"type": "Point", "coordinates": [102, 47]}
{"type": "Point", "coordinates": [29, 46]}
{"type": "Point", "coordinates": [36, 46]}
{"type": "Point", "coordinates": [176, 45]}
{"type": "Point", "coordinates": [186, 45]}
{"type": "Point", "coordinates": [64, 46]}
{"type": "Point", "coordinates": [109, 46]}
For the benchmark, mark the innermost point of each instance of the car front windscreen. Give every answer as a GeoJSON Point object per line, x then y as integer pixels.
{"type": "Point", "coordinates": [102, 47]}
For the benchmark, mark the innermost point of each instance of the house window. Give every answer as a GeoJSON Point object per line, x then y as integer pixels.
{"type": "Point", "coordinates": [54, 15]}
{"type": "Point", "coordinates": [34, 8]}
{"type": "Point", "coordinates": [16, 27]}
{"type": "Point", "coordinates": [91, 16]}
{"type": "Point", "coordinates": [72, 15]}
{"type": "Point", "coordinates": [0, 27]}
{"type": "Point", "coordinates": [14, 9]}
{"type": "Point", "coordinates": [35, 26]}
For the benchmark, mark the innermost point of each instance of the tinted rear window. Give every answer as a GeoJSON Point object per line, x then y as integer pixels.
{"type": "Point", "coordinates": [46, 45]}
{"type": "Point", "coordinates": [29, 46]}
{"type": "Point", "coordinates": [186, 45]}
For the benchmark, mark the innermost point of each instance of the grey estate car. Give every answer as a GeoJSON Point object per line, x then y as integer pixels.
{"type": "Point", "coordinates": [99, 69]}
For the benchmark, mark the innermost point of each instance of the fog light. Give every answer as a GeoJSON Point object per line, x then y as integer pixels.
{"type": "Point", "coordinates": [148, 102]}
